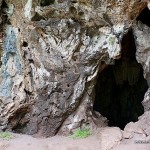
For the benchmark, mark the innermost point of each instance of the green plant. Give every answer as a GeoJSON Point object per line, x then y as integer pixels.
{"type": "Point", "coordinates": [6, 135]}
{"type": "Point", "coordinates": [81, 133]}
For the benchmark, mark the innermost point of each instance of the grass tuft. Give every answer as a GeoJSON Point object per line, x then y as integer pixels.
{"type": "Point", "coordinates": [81, 133]}
{"type": "Point", "coordinates": [6, 135]}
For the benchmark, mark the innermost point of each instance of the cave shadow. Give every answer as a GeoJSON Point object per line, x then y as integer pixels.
{"type": "Point", "coordinates": [144, 16]}
{"type": "Point", "coordinates": [120, 88]}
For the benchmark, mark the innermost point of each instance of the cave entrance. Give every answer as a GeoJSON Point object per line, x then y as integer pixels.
{"type": "Point", "coordinates": [120, 88]}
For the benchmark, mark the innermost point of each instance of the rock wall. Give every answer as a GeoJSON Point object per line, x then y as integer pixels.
{"type": "Point", "coordinates": [51, 53]}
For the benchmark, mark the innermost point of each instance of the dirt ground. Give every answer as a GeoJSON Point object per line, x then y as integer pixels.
{"type": "Point", "coordinates": [102, 140]}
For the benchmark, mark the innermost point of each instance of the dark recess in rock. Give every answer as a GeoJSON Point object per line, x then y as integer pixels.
{"type": "Point", "coordinates": [144, 16]}
{"type": "Point", "coordinates": [73, 10]}
{"type": "Point", "coordinates": [81, 13]}
{"type": "Point", "coordinates": [37, 17]}
{"type": "Point", "coordinates": [46, 2]}
{"type": "Point", "coordinates": [4, 16]}
{"type": "Point", "coordinates": [121, 87]}
{"type": "Point", "coordinates": [18, 121]}
{"type": "Point", "coordinates": [24, 44]}
{"type": "Point", "coordinates": [4, 6]}
{"type": "Point", "coordinates": [73, 1]}
{"type": "Point", "coordinates": [60, 1]}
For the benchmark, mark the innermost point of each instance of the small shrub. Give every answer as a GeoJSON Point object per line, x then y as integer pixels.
{"type": "Point", "coordinates": [81, 133]}
{"type": "Point", "coordinates": [6, 135]}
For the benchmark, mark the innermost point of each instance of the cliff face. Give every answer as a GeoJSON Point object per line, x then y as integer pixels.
{"type": "Point", "coordinates": [51, 53]}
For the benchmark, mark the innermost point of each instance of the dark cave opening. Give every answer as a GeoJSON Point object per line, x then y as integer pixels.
{"type": "Point", "coordinates": [120, 88]}
{"type": "Point", "coordinates": [46, 2]}
{"type": "Point", "coordinates": [144, 16]}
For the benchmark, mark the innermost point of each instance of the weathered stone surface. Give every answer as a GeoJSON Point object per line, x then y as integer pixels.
{"type": "Point", "coordinates": [133, 127]}
{"type": "Point", "coordinates": [127, 135]}
{"type": "Point", "coordinates": [141, 126]}
{"type": "Point", "coordinates": [109, 138]}
{"type": "Point", "coordinates": [142, 34]}
{"type": "Point", "coordinates": [51, 57]}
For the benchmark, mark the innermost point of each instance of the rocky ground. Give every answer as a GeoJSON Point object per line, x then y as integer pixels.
{"type": "Point", "coordinates": [103, 139]}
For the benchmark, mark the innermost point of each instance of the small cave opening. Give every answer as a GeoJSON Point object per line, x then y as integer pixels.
{"type": "Point", "coordinates": [44, 3]}
{"type": "Point", "coordinates": [120, 88]}
{"type": "Point", "coordinates": [25, 44]}
{"type": "Point", "coordinates": [143, 16]}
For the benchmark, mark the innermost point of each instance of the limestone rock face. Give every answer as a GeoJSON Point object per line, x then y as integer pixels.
{"type": "Point", "coordinates": [51, 53]}
{"type": "Point", "coordinates": [142, 35]}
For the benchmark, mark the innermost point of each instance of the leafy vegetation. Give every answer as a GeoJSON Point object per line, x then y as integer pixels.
{"type": "Point", "coordinates": [81, 133]}
{"type": "Point", "coordinates": [6, 135]}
